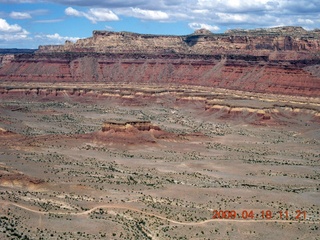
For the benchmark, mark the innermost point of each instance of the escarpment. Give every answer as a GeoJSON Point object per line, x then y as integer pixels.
{"type": "Point", "coordinates": [200, 42]}
{"type": "Point", "coordinates": [283, 60]}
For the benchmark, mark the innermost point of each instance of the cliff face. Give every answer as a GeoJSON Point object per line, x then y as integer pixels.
{"type": "Point", "coordinates": [278, 60]}
{"type": "Point", "coordinates": [201, 42]}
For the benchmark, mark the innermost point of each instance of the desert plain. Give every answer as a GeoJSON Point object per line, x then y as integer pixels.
{"type": "Point", "coordinates": [221, 164]}
{"type": "Point", "coordinates": [138, 136]}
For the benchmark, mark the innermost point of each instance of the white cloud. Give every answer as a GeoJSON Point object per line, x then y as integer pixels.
{"type": "Point", "coordinates": [235, 5]}
{"type": "Point", "coordinates": [17, 1]}
{"type": "Point", "coordinates": [233, 18]}
{"type": "Point", "coordinates": [101, 15]}
{"type": "Point", "coordinates": [6, 27]}
{"type": "Point", "coordinates": [94, 14]}
{"type": "Point", "coordinates": [305, 21]}
{"type": "Point", "coordinates": [149, 14]}
{"type": "Point", "coordinates": [20, 15]}
{"type": "Point", "coordinates": [49, 20]}
{"type": "Point", "coordinates": [73, 12]}
{"type": "Point", "coordinates": [196, 26]}
{"type": "Point", "coordinates": [13, 36]}
{"type": "Point", "coordinates": [11, 32]}
{"type": "Point", "coordinates": [201, 11]}
{"type": "Point", "coordinates": [55, 38]}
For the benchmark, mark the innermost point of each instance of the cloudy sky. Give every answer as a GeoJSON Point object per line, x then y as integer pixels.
{"type": "Point", "coordinates": [30, 23]}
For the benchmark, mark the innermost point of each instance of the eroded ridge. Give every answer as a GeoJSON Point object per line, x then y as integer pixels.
{"type": "Point", "coordinates": [281, 60]}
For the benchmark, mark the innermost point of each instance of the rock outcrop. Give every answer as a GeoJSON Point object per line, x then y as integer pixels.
{"type": "Point", "coordinates": [252, 42]}
{"type": "Point", "coordinates": [128, 126]}
{"type": "Point", "coordinates": [19, 180]}
{"type": "Point", "coordinates": [284, 60]}
{"type": "Point", "coordinates": [128, 133]}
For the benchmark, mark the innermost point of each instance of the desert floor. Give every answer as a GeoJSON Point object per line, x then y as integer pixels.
{"type": "Point", "coordinates": [253, 157]}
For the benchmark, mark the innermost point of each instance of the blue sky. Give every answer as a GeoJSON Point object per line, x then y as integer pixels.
{"type": "Point", "coordinates": [30, 23]}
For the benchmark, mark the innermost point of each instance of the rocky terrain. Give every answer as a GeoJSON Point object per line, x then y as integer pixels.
{"type": "Point", "coordinates": [252, 42]}
{"type": "Point", "coordinates": [279, 60]}
{"type": "Point", "coordinates": [155, 162]}
{"type": "Point", "coordinates": [130, 136]}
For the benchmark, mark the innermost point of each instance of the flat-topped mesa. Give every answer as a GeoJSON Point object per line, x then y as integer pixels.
{"type": "Point", "coordinates": [283, 60]}
{"type": "Point", "coordinates": [200, 42]}
{"type": "Point", "coordinates": [119, 126]}
{"type": "Point", "coordinates": [286, 30]}
{"type": "Point", "coordinates": [120, 42]}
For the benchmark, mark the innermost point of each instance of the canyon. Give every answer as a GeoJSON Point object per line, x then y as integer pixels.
{"type": "Point", "coordinates": [135, 136]}
{"type": "Point", "coordinates": [283, 60]}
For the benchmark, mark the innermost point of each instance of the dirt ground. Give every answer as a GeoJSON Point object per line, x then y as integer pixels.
{"type": "Point", "coordinates": [226, 165]}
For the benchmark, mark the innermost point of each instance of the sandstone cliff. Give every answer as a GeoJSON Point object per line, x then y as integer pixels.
{"type": "Point", "coordinates": [256, 42]}
{"type": "Point", "coordinates": [282, 60]}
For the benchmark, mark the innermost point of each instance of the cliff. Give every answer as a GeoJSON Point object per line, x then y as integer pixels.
{"type": "Point", "coordinates": [200, 42]}
{"type": "Point", "coordinates": [284, 60]}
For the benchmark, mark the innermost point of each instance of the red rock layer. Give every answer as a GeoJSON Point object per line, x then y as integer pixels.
{"type": "Point", "coordinates": [283, 60]}
{"type": "Point", "coordinates": [241, 72]}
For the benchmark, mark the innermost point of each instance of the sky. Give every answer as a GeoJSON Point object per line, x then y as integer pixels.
{"type": "Point", "coordinates": [30, 23]}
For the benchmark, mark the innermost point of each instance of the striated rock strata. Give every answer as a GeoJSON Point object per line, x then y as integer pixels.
{"type": "Point", "coordinates": [283, 60]}
{"type": "Point", "coordinates": [129, 132]}
{"type": "Point", "coordinates": [256, 42]}
{"type": "Point", "coordinates": [128, 126]}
